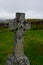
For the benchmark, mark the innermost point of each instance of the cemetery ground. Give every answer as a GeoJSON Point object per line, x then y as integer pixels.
{"type": "Point", "coordinates": [33, 45]}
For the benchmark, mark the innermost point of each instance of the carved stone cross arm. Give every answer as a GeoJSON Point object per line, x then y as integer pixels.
{"type": "Point", "coordinates": [26, 25]}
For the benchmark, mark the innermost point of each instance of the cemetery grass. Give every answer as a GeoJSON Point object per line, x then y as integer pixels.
{"type": "Point", "coordinates": [33, 45]}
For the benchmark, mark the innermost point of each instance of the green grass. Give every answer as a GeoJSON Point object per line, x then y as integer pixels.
{"type": "Point", "coordinates": [6, 44]}
{"type": "Point", "coordinates": [33, 45]}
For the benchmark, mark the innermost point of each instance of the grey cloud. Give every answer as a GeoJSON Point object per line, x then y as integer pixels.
{"type": "Point", "coordinates": [12, 6]}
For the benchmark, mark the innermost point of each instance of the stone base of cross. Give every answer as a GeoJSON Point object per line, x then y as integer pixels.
{"type": "Point", "coordinates": [18, 57]}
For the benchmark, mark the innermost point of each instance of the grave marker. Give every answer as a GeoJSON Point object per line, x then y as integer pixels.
{"type": "Point", "coordinates": [20, 26]}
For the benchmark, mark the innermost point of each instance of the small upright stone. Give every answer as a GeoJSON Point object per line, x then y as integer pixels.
{"type": "Point", "coordinates": [20, 25]}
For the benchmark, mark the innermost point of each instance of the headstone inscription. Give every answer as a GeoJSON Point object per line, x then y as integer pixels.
{"type": "Point", "coordinates": [18, 57]}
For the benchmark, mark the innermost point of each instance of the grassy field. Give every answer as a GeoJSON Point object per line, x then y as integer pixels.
{"type": "Point", "coordinates": [33, 45]}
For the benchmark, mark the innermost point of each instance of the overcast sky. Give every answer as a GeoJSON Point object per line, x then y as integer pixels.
{"type": "Point", "coordinates": [32, 8]}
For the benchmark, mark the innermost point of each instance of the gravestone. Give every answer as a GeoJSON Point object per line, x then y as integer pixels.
{"type": "Point", "coordinates": [20, 26]}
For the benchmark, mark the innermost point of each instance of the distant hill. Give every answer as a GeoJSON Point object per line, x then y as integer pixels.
{"type": "Point", "coordinates": [34, 20]}
{"type": "Point", "coordinates": [5, 20]}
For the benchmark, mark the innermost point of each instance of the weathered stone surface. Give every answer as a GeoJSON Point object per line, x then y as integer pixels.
{"type": "Point", "coordinates": [20, 25]}
{"type": "Point", "coordinates": [11, 61]}
{"type": "Point", "coordinates": [23, 60]}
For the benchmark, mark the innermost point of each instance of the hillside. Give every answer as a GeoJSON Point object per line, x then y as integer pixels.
{"type": "Point", "coordinates": [34, 20]}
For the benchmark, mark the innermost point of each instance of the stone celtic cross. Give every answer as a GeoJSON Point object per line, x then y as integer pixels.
{"type": "Point", "coordinates": [18, 57]}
